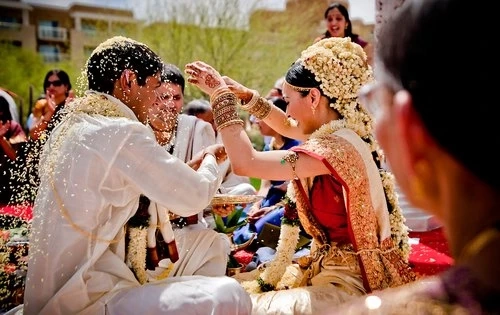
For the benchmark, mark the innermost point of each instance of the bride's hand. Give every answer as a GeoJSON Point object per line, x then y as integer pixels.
{"type": "Point", "coordinates": [241, 91]}
{"type": "Point", "coordinates": [204, 76]}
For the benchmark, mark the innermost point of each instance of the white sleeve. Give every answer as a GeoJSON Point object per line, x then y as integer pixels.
{"type": "Point", "coordinates": [164, 178]}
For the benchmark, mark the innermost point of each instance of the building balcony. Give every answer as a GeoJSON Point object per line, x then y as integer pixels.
{"type": "Point", "coordinates": [51, 33]}
{"type": "Point", "coordinates": [10, 26]}
{"type": "Point", "coordinates": [54, 56]}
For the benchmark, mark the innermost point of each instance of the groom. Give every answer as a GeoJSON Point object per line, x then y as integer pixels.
{"type": "Point", "coordinates": [95, 166]}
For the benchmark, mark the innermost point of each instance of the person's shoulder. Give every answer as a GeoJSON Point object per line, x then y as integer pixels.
{"type": "Point", "coordinates": [187, 120]}
{"type": "Point", "coordinates": [317, 39]}
{"type": "Point", "coordinates": [114, 125]}
{"type": "Point", "coordinates": [193, 121]}
{"type": "Point", "coordinates": [361, 42]}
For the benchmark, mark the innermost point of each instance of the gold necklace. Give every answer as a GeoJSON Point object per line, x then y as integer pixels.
{"type": "Point", "coordinates": [478, 243]}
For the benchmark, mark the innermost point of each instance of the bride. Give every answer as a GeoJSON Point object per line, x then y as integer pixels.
{"type": "Point", "coordinates": [339, 193]}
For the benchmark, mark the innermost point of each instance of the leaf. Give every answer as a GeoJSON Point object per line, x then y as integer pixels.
{"type": "Point", "coordinates": [234, 217]}
{"type": "Point", "coordinates": [219, 223]}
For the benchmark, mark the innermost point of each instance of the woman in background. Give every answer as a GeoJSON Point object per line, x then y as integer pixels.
{"type": "Point", "coordinates": [338, 24]}
{"type": "Point", "coordinates": [57, 87]}
{"type": "Point", "coordinates": [11, 136]}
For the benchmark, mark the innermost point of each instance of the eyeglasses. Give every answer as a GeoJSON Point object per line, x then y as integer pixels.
{"type": "Point", "coordinates": [54, 83]}
{"type": "Point", "coordinates": [371, 99]}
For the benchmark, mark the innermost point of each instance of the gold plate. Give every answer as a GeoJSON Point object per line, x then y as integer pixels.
{"type": "Point", "coordinates": [224, 199]}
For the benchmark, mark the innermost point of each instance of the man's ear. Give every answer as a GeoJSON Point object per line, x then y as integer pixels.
{"type": "Point", "coordinates": [414, 134]}
{"type": "Point", "coordinates": [126, 79]}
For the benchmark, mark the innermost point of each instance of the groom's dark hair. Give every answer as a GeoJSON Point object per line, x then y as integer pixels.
{"type": "Point", "coordinates": [113, 56]}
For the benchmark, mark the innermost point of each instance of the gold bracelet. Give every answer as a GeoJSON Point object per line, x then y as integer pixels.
{"type": "Point", "coordinates": [230, 123]}
{"type": "Point", "coordinates": [219, 91]}
{"type": "Point", "coordinates": [262, 108]}
{"type": "Point", "coordinates": [258, 106]}
{"type": "Point", "coordinates": [291, 157]}
{"type": "Point", "coordinates": [251, 103]}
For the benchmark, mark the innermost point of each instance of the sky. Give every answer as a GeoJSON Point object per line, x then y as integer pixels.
{"type": "Point", "coordinates": [359, 9]}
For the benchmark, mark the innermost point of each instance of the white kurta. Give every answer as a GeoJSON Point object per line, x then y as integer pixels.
{"type": "Point", "coordinates": [93, 170]}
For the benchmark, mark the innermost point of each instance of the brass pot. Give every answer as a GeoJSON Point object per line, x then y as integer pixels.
{"type": "Point", "coordinates": [231, 271]}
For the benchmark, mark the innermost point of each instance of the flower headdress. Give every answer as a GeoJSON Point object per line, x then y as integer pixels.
{"type": "Point", "coordinates": [341, 67]}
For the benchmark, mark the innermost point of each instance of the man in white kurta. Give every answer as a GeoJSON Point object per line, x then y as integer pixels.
{"type": "Point", "coordinates": [96, 164]}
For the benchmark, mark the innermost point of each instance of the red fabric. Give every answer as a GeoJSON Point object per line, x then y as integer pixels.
{"type": "Point", "coordinates": [431, 255]}
{"type": "Point", "coordinates": [328, 207]}
{"type": "Point", "coordinates": [24, 212]}
{"type": "Point", "coordinates": [244, 256]}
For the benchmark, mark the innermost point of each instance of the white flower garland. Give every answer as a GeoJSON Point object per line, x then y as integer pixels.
{"type": "Point", "coordinates": [137, 252]}
{"type": "Point", "coordinates": [94, 103]}
{"type": "Point", "coordinates": [273, 272]}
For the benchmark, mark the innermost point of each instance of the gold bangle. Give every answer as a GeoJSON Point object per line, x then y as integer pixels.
{"type": "Point", "coordinates": [219, 91]}
{"type": "Point", "coordinates": [229, 123]}
{"type": "Point", "coordinates": [251, 103]}
{"type": "Point", "coordinates": [258, 106]}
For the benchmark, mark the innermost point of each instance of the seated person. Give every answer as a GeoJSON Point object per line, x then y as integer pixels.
{"type": "Point", "coordinates": [232, 184]}
{"type": "Point", "coordinates": [95, 166]}
{"type": "Point", "coordinates": [269, 209]}
{"type": "Point", "coordinates": [198, 250]}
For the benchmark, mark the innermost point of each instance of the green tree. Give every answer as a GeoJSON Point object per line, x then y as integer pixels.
{"type": "Point", "coordinates": [255, 51]}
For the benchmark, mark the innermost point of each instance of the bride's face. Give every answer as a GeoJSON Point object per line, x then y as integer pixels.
{"type": "Point", "coordinates": [298, 109]}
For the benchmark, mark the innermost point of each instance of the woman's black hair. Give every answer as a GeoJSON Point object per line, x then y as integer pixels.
{"type": "Point", "coordinates": [298, 75]}
{"type": "Point", "coordinates": [417, 59]}
{"type": "Point", "coordinates": [171, 73]}
{"type": "Point", "coordinates": [343, 10]}
{"type": "Point", "coordinates": [5, 109]}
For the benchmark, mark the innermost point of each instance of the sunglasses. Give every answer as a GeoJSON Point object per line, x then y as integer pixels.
{"type": "Point", "coordinates": [54, 83]}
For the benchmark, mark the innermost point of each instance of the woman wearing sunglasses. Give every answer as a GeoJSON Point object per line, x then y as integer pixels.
{"type": "Point", "coordinates": [57, 88]}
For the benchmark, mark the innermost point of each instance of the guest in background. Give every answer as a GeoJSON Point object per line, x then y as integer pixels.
{"type": "Point", "coordinates": [201, 250]}
{"type": "Point", "coordinates": [11, 136]}
{"type": "Point", "coordinates": [14, 111]}
{"type": "Point", "coordinates": [338, 24]}
{"type": "Point", "coordinates": [57, 88]}
{"type": "Point", "coordinates": [277, 89]}
{"type": "Point", "coordinates": [415, 99]}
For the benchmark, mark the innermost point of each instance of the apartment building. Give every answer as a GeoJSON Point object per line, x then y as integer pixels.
{"type": "Point", "coordinates": [59, 34]}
